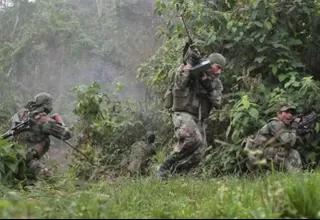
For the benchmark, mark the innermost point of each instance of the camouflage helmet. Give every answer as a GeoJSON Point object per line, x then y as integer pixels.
{"type": "Point", "coordinates": [217, 58]}
{"type": "Point", "coordinates": [287, 107]}
{"type": "Point", "coordinates": [150, 137]}
{"type": "Point", "coordinates": [44, 100]}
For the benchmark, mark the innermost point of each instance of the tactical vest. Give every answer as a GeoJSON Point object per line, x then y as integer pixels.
{"type": "Point", "coordinates": [187, 100]}
{"type": "Point", "coordinates": [263, 138]}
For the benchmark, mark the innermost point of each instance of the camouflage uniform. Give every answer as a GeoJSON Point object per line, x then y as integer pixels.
{"type": "Point", "coordinates": [273, 142]}
{"type": "Point", "coordinates": [191, 108]}
{"type": "Point", "coordinates": [36, 138]}
{"type": "Point", "coordinates": [141, 155]}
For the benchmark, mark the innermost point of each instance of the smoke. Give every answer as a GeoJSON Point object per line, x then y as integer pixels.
{"type": "Point", "coordinates": [62, 44]}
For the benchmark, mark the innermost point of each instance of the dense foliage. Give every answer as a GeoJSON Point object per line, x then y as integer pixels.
{"type": "Point", "coordinates": [273, 196]}
{"type": "Point", "coordinates": [272, 49]}
{"type": "Point", "coordinates": [107, 128]}
{"type": "Point", "coordinates": [88, 53]}
{"type": "Point", "coordinates": [11, 165]}
{"type": "Point", "coordinates": [94, 47]}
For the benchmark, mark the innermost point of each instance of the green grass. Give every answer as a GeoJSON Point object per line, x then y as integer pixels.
{"type": "Point", "coordinates": [272, 196]}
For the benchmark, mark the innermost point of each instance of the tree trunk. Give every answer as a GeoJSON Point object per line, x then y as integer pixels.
{"type": "Point", "coordinates": [16, 22]}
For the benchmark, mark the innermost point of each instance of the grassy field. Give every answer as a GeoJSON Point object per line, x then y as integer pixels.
{"type": "Point", "coordinates": [272, 196]}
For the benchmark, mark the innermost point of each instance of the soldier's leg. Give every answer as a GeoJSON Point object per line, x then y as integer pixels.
{"type": "Point", "coordinates": [274, 158]}
{"type": "Point", "coordinates": [36, 170]}
{"type": "Point", "coordinates": [186, 164]}
{"type": "Point", "coordinates": [251, 166]}
{"type": "Point", "coordinates": [189, 140]}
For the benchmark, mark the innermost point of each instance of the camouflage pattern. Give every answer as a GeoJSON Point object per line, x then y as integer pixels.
{"type": "Point", "coordinates": [274, 142]}
{"type": "Point", "coordinates": [185, 98]}
{"type": "Point", "coordinates": [36, 139]}
{"type": "Point", "coordinates": [140, 159]}
{"type": "Point", "coordinates": [217, 58]}
{"type": "Point", "coordinates": [286, 108]}
{"type": "Point", "coordinates": [45, 100]}
{"type": "Point", "coordinates": [190, 112]}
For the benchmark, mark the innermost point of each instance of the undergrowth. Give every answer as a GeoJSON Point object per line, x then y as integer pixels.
{"type": "Point", "coordinates": [275, 195]}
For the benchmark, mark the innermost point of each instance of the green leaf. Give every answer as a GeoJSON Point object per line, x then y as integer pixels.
{"type": "Point", "coordinates": [282, 77]}
{"type": "Point", "coordinates": [262, 49]}
{"type": "Point", "coordinates": [229, 25]}
{"type": "Point", "coordinates": [259, 59]}
{"type": "Point", "coordinates": [235, 136]}
{"type": "Point", "coordinates": [296, 42]}
{"type": "Point", "coordinates": [12, 166]}
{"type": "Point", "coordinates": [245, 102]}
{"type": "Point", "coordinates": [258, 23]}
{"type": "Point", "coordinates": [274, 69]}
{"type": "Point", "coordinates": [268, 25]}
{"type": "Point", "coordinates": [296, 84]}
{"type": "Point", "coordinates": [228, 131]}
{"type": "Point", "coordinates": [229, 45]}
{"type": "Point", "coordinates": [254, 113]}
{"type": "Point", "coordinates": [317, 127]}
{"type": "Point", "coordinates": [2, 169]}
{"type": "Point", "coordinates": [277, 45]}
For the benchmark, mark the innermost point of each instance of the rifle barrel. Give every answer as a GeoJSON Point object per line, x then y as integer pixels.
{"type": "Point", "coordinates": [79, 151]}
{"type": "Point", "coordinates": [185, 27]}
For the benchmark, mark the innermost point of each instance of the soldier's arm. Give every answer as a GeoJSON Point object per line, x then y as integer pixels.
{"type": "Point", "coordinates": [216, 94]}
{"type": "Point", "coordinates": [182, 76]}
{"type": "Point", "coordinates": [56, 129]}
{"type": "Point", "coordinates": [283, 134]}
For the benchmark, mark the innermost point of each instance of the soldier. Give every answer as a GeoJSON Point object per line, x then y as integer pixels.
{"type": "Point", "coordinates": [194, 96]}
{"type": "Point", "coordinates": [141, 155]}
{"type": "Point", "coordinates": [36, 138]}
{"type": "Point", "coordinates": [274, 143]}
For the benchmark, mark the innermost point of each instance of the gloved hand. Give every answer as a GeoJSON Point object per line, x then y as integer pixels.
{"type": "Point", "coordinates": [58, 118]}
{"type": "Point", "coordinates": [295, 124]}
{"type": "Point", "coordinates": [193, 57]}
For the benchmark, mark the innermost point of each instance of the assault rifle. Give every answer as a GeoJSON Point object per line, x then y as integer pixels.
{"type": "Point", "coordinates": [198, 65]}
{"type": "Point", "coordinates": [17, 129]}
{"type": "Point", "coordinates": [306, 123]}
{"type": "Point", "coordinates": [24, 125]}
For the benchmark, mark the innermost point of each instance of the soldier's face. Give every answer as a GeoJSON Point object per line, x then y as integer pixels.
{"type": "Point", "coordinates": [286, 117]}
{"type": "Point", "coordinates": [215, 70]}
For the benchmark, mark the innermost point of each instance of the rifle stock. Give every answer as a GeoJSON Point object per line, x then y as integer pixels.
{"type": "Point", "coordinates": [6, 135]}
{"type": "Point", "coordinates": [17, 129]}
